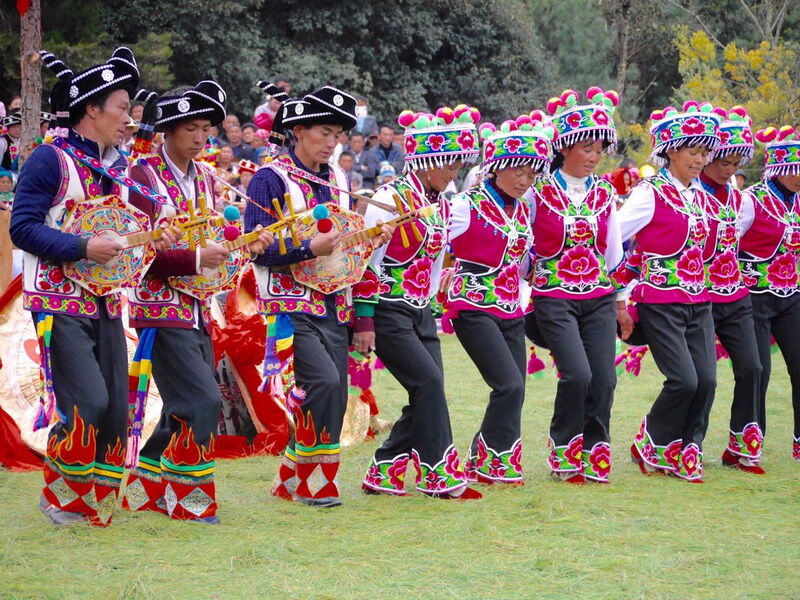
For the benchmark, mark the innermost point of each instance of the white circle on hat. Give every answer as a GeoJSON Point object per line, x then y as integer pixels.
{"type": "Point", "coordinates": [183, 106]}
{"type": "Point", "coordinates": [73, 91]}
{"type": "Point", "coordinates": [159, 112]}
{"type": "Point", "coordinates": [338, 100]}
{"type": "Point", "coordinates": [107, 75]}
{"type": "Point", "coordinates": [298, 110]}
{"type": "Point", "coordinates": [221, 96]}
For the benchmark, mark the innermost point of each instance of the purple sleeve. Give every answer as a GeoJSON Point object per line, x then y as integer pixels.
{"type": "Point", "coordinates": [266, 185]}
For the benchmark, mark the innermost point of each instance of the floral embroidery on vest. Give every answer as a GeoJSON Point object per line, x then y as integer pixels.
{"type": "Point", "coordinates": [724, 274]}
{"type": "Point", "coordinates": [410, 280]}
{"type": "Point", "coordinates": [685, 269]}
{"type": "Point", "coordinates": [579, 267]}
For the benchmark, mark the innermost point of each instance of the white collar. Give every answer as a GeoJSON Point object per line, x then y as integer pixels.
{"type": "Point", "coordinates": [191, 173]}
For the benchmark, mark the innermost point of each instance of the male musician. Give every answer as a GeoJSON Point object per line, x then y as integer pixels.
{"type": "Point", "coordinates": [308, 472]}
{"type": "Point", "coordinates": [175, 470]}
{"type": "Point", "coordinates": [81, 336]}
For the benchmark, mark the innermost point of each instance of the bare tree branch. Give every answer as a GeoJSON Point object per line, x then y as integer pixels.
{"type": "Point", "coordinates": [697, 18]}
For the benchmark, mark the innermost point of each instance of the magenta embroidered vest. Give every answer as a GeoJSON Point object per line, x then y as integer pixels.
{"type": "Point", "coordinates": [570, 240]}
{"type": "Point", "coordinates": [769, 249]}
{"type": "Point", "coordinates": [725, 282]}
{"type": "Point", "coordinates": [672, 246]}
{"type": "Point", "coordinates": [410, 274]}
{"type": "Point", "coordinates": [155, 303]}
{"type": "Point", "coordinates": [45, 288]}
{"type": "Point", "coordinates": [278, 292]}
{"type": "Point", "coordinates": [488, 257]}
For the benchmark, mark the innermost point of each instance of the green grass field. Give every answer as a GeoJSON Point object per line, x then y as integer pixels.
{"type": "Point", "coordinates": [737, 536]}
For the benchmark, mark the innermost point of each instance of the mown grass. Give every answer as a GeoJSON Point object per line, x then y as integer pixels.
{"type": "Point", "coordinates": [734, 537]}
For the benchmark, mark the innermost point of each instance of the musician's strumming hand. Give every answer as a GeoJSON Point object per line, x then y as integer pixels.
{"type": "Point", "coordinates": [212, 256]}
{"type": "Point", "coordinates": [102, 249]}
{"type": "Point", "coordinates": [263, 242]}
{"type": "Point", "coordinates": [387, 231]}
{"type": "Point", "coordinates": [323, 244]}
{"type": "Point", "coordinates": [169, 237]}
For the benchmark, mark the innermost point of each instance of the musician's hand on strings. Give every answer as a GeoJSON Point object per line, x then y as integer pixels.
{"type": "Point", "coordinates": [212, 256]}
{"type": "Point", "coordinates": [169, 237]}
{"type": "Point", "coordinates": [263, 242]}
{"type": "Point", "coordinates": [102, 249]}
{"type": "Point", "coordinates": [625, 320]}
{"type": "Point", "coordinates": [387, 231]}
{"type": "Point", "coordinates": [323, 244]}
{"type": "Point", "coordinates": [364, 342]}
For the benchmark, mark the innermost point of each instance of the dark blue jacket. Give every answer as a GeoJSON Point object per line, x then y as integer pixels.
{"type": "Point", "coordinates": [38, 185]}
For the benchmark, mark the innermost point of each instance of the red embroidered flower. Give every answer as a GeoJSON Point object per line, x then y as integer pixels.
{"type": "Point", "coordinates": [56, 275]}
{"type": "Point", "coordinates": [658, 279]}
{"type": "Point", "coordinates": [747, 136]}
{"type": "Point", "coordinates": [578, 266]}
{"type": "Point", "coordinates": [481, 452]}
{"type": "Point", "coordinates": [672, 454]}
{"type": "Point", "coordinates": [512, 144]}
{"type": "Point", "coordinates": [491, 212]}
{"type": "Point", "coordinates": [506, 284]}
{"type": "Point", "coordinates": [699, 231]}
{"type": "Point", "coordinates": [552, 459]}
{"type": "Point", "coordinates": [574, 119]}
{"type": "Point", "coordinates": [285, 282]}
{"type": "Point", "coordinates": [417, 467]}
{"type": "Point", "coordinates": [368, 286]}
{"type": "Point", "coordinates": [574, 452]}
{"type": "Point", "coordinates": [458, 285]}
{"type": "Point", "coordinates": [750, 281]}
{"type": "Point", "coordinates": [517, 249]}
{"type": "Point", "coordinates": [374, 476]}
{"type": "Point", "coordinates": [724, 137]}
{"type": "Point", "coordinates": [542, 148]}
{"type": "Point", "coordinates": [410, 144]}
{"type": "Point", "coordinates": [733, 443]}
{"type": "Point", "coordinates": [417, 278]}
{"type": "Point", "coordinates": [792, 240]}
{"type": "Point", "coordinates": [466, 140]}
{"type": "Point", "coordinates": [672, 194]}
{"type": "Point", "coordinates": [154, 285]}
{"type": "Point", "coordinates": [600, 117]}
{"type": "Point", "coordinates": [581, 232]}
{"type": "Point", "coordinates": [693, 126]}
{"type": "Point", "coordinates": [451, 464]}
{"type": "Point", "coordinates": [434, 481]}
{"type": "Point", "coordinates": [782, 272]}
{"type": "Point", "coordinates": [724, 270]}
{"type": "Point", "coordinates": [488, 150]}
{"type": "Point", "coordinates": [540, 281]}
{"type": "Point", "coordinates": [752, 438]}
{"type": "Point", "coordinates": [665, 135]}
{"type": "Point", "coordinates": [475, 296]}
{"type": "Point", "coordinates": [780, 154]}
{"type": "Point", "coordinates": [435, 243]}
{"type": "Point", "coordinates": [690, 458]}
{"type": "Point", "coordinates": [600, 459]}
{"type": "Point", "coordinates": [689, 267]}
{"type": "Point", "coordinates": [435, 142]}
{"type": "Point", "coordinates": [727, 236]}
{"type": "Point", "coordinates": [553, 197]}
{"type": "Point", "coordinates": [497, 468]}
{"type": "Point", "coordinates": [515, 460]}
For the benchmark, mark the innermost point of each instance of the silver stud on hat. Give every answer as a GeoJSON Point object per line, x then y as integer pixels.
{"type": "Point", "coordinates": [73, 91]}
{"type": "Point", "coordinates": [107, 75]}
{"type": "Point", "coordinates": [298, 110]}
{"type": "Point", "coordinates": [338, 100]}
{"type": "Point", "coordinates": [183, 106]}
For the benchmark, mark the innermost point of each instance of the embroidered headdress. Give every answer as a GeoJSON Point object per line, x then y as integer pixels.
{"type": "Point", "coordinates": [440, 139]}
{"type": "Point", "coordinates": [526, 140]}
{"type": "Point", "coordinates": [593, 120]}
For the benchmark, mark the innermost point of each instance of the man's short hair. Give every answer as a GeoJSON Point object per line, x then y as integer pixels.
{"type": "Point", "coordinates": [347, 153]}
{"type": "Point", "coordinates": [77, 113]}
{"type": "Point", "coordinates": [355, 133]}
{"type": "Point", "coordinates": [250, 125]}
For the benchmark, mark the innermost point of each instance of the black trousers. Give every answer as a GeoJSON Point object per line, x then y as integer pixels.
{"type": "Point", "coordinates": [581, 334]}
{"type": "Point", "coordinates": [778, 317]}
{"type": "Point", "coordinates": [681, 338]}
{"type": "Point", "coordinates": [320, 370]}
{"type": "Point", "coordinates": [89, 359]}
{"type": "Point", "coordinates": [183, 369]}
{"type": "Point", "coordinates": [497, 347]}
{"type": "Point", "coordinates": [733, 323]}
{"type": "Point", "coordinates": [407, 343]}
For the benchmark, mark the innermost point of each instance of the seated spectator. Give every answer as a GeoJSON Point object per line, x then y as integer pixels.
{"type": "Point", "coordinates": [385, 151]}
{"type": "Point", "coordinates": [356, 181]}
{"type": "Point", "coordinates": [226, 167]}
{"type": "Point", "coordinates": [346, 161]}
{"type": "Point", "coordinates": [240, 149]}
{"type": "Point", "coordinates": [372, 140]}
{"type": "Point", "coordinates": [360, 157]}
{"type": "Point", "coordinates": [230, 120]}
{"type": "Point", "coordinates": [365, 123]}
{"type": "Point", "coordinates": [398, 137]}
